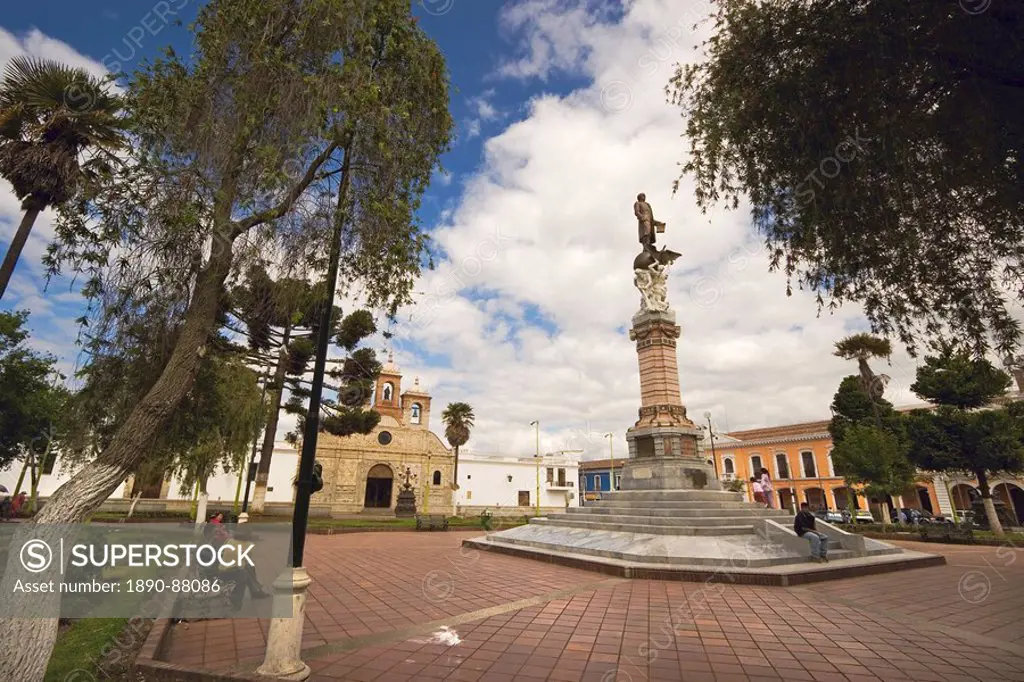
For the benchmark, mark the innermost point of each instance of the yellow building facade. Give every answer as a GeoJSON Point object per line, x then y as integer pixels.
{"type": "Point", "coordinates": [799, 460]}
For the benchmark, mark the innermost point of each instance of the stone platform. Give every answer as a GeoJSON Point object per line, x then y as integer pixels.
{"type": "Point", "coordinates": [694, 535]}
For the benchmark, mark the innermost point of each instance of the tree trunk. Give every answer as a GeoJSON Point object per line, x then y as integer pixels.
{"type": "Point", "coordinates": [25, 644]}
{"type": "Point", "coordinates": [259, 494]}
{"type": "Point", "coordinates": [990, 507]}
{"type": "Point", "coordinates": [21, 477]}
{"type": "Point", "coordinates": [131, 507]}
{"type": "Point", "coordinates": [14, 250]}
{"type": "Point", "coordinates": [886, 519]}
{"type": "Point", "coordinates": [455, 485]}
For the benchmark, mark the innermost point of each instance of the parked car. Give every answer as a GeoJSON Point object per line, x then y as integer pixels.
{"type": "Point", "coordinates": [916, 516]}
{"type": "Point", "coordinates": [863, 516]}
{"type": "Point", "coordinates": [830, 516]}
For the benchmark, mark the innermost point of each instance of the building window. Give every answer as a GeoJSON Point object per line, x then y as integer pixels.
{"type": "Point", "coordinates": [807, 460]}
{"type": "Point", "coordinates": [561, 477]}
{"type": "Point", "coordinates": [755, 465]}
{"type": "Point", "coordinates": [728, 466]}
{"type": "Point", "coordinates": [551, 475]}
{"type": "Point", "coordinates": [416, 413]}
{"type": "Point", "coordinates": [618, 481]}
{"type": "Point", "coordinates": [524, 498]}
{"type": "Point", "coordinates": [469, 494]}
{"type": "Point", "coordinates": [384, 437]}
{"type": "Point", "coordinates": [387, 393]}
{"type": "Point", "coordinates": [782, 465]}
{"type": "Point", "coordinates": [437, 478]}
{"type": "Point", "coordinates": [831, 466]}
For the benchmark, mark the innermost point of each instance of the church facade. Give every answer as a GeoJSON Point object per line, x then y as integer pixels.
{"type": "Point", "coordinates": [364, 473]}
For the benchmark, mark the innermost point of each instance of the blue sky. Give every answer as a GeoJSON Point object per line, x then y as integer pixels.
{"type": "Point", "coordinates": [562, 120]}
{"type": "Point", "coordinates": [121, 34]}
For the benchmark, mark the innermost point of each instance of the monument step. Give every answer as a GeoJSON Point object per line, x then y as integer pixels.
{"type": "Point", "coordinates": [646, 528]}
{"type": "Point", "coordinates": [680, 508]}
{"type": "Point", "coordinates": [673, 495]}
{"type": "Point", "coordinates": [663, 512]}
{"type": "Point", "coordinates": [680, 504]}
{"type": "Point", "coordinates": [752, 559]}
{"type": "Point", "coordinates": [724, 519]}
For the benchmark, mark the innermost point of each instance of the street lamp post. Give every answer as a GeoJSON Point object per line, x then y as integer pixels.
{"type": "Point", "coordinates": [536, 424]}
{"type": "Point", "coordinates": [611, 454]}
{"type": "Point", "coordinates": [711, 437]}
{"type": "Point", "coordinates": [284, 639]}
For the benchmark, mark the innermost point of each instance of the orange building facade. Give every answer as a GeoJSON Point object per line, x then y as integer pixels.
{"type": "Point", "coordinates": [799, 460]}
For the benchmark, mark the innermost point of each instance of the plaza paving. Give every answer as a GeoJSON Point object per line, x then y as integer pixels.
{"type": "Point", "coordinates": [412, 606]}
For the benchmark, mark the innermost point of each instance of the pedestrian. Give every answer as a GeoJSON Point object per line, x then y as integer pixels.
{"type": "Point", "coordinates": [766, 487]}
{"type": "Point", "coordinates": [18, 503]}
{"type": "Point", "coordinates": [804, 527]}
{"type": "Point", "coordinates": [755, 485]}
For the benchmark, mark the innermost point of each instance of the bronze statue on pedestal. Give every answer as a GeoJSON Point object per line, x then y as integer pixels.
{"type": "Point", "coordinates": [647, 229]}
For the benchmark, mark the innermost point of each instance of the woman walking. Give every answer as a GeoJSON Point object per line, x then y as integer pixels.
{"type": "Point", "coordinates": [755, 486]}
{"type": "Point", "coordinates": [766, 488]}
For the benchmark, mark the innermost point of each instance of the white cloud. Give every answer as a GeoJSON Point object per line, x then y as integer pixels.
{"type": "Point", "coordinates": [545, 228]}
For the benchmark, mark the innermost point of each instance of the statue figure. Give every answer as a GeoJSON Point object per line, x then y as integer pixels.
{"type": "Point", "coordinates": [647, 226]}
{"type": "Point", "coordinates": [647, 229]}
{"type": "Point", "coordinates": [652, 282]}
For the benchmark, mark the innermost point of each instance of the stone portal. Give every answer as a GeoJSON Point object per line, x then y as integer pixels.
{"type": "Point", "coordinates": [379, 484]}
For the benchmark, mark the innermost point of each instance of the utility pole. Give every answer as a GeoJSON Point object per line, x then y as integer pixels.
{"type": "Point", "coordinates": [611, 454]}
{"type": "Point", "coordinates": [536, 424]}
{"type": "Point", "coordinates": [711, 437]}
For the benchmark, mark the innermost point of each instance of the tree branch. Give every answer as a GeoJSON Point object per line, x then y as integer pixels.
{"type": "Point", "coordinates": [289, 199]}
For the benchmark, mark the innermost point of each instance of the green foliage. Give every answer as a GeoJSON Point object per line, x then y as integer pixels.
{"type": "Point", "coordinates": [863, 346]}
{"type": "Point", "coordinates": [852, 405]}
{"type": "Point", "coordinates": [955, 378]}
{"type": "Point", "coordinates": [879, 144]}
{"type": "Point", "coordinates": [874, 457]}
{"type": "Point", "coordinates": [458, 421]}
{"type": "Point", "coordinates": [216, 424]}
{"type": "Point", "coordinates": [958, 441]}
{"type": "Point", "coordinates": [50, 114]}
{"type": "Point", "coordinates": [32, 397]}
{"type": "Point", "coordinates": [957, 436]}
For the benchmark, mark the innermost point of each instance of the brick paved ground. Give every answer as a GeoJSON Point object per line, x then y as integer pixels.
{"type": "Point", "coordinates": [388, 607]}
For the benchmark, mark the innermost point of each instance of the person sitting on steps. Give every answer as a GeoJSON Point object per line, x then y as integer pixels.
{"type": "Point", "coordinates": [804, 527]}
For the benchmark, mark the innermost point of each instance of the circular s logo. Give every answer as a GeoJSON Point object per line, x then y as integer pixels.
{"type": "Point", "coordinates": [36, 556]}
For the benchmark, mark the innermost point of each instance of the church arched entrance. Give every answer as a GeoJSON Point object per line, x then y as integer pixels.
{"type": "Point", "coordinates": [379, 484]}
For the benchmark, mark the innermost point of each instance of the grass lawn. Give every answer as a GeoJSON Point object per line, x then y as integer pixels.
{"type": "Point", "coordinates": [81, 646]}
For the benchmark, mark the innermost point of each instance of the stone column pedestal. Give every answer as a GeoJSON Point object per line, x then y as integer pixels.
{"type": "Point", "coordinates": [284, 640]}
{"type": "Point", "coordinates": [663, 442]}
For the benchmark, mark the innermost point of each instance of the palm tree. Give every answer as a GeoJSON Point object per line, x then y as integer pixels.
{"type": "Point", "coordinates": [863, 347]}
{"type": "Point", "coordinates": [50, 114]}
{"type": "Point", "coordinates": [458, 420]}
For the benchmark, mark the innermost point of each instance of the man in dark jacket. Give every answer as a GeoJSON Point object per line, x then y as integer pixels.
{"type": "Point", "coordinates": [804, 527]}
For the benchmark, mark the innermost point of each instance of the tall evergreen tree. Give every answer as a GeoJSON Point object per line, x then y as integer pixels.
{"type": "Point", "coordinates": [965, 432]}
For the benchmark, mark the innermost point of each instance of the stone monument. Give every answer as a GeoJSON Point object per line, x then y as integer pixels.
{"type": "Point", "coordinates": [405, 505]}
{"type": "Point", "coordinates": [671, 520]}
{"type": "Point", "coordinates": [663, 441]}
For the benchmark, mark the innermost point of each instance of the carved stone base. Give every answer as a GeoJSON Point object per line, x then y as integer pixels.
{"type": "Point", "coordinates": [665, 458]}
{"type": "Point", "coordinates": [405, 505]}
